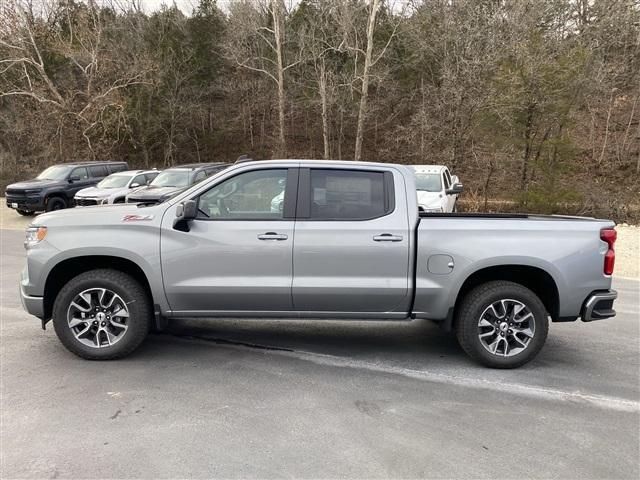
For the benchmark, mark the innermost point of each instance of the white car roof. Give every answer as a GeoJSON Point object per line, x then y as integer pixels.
{"type": "Point", "coordinates": [428, 168]}
{"type": "Point", "coordinates": [131, 173]}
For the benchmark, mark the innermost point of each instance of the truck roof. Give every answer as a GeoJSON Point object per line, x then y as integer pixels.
{"type": "Point", "coordinates": [314, 162]}
{"type": "Point", "coordinates": [428, 168]}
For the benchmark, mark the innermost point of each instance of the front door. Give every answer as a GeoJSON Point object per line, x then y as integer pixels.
{"type": "Point", "coordinates": [351, 252]}
{"type": "Point", "coordinates": [237, 255]}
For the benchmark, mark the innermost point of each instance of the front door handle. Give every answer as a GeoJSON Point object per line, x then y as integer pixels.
{"type": "Point", "coordinates": [273, 236]}
{"type": "Point", "coordinates": [387, 237]}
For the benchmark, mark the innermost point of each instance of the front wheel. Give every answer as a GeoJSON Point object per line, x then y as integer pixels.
{"type": "Point", "coordinates": [56, 203]}
{"type": "Point", "coordinates": [502, 324]}
{"type": "Point", "coordinates": [102, 314]}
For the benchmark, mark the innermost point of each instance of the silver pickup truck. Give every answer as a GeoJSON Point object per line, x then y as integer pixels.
{"type": "Point", "coordinates": [343, 240]}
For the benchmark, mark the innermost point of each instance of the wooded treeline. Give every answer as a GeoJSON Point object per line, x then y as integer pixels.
{"type": "Point", "coordinates": [530, 101]}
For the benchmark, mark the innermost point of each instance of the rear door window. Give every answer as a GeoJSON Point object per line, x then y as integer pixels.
{"type": "Point", "coordinates": [117, 167]}
{"type": "Point", "coordinates": [347, 195]}
{"type": "Point", "coordinates": [98, 171]}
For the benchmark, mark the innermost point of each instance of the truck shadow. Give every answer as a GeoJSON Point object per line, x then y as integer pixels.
{"type": "Point", "coordinates": [417, 344]}
{"type": "Point", "coordinates": [418, 340]}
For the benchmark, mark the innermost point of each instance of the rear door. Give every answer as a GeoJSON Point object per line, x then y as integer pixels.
{"type": "Point", "coordinates": [352, 242]}
{"type": "Point", "coordinates": [237, 256]}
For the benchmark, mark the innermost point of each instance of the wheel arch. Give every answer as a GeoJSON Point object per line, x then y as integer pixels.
{"type": "Point", "coordinates": [69, 268]}
{"type": "Point", "coordinates": [536, 279]}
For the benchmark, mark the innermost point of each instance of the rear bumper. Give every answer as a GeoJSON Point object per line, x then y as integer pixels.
{"type": "Point", "coordinates": [599, 305]}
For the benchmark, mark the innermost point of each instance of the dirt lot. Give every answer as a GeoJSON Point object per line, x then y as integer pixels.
{"type": "Point", "coordinates": [627, 246]}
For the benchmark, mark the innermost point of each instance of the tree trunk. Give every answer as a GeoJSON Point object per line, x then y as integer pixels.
{"type": "Point", "coordinates": [375, 4]}
{"type": "Point", "coordinates": [276, 12]}
{"type": "Point", "coordinates": [325, 116]}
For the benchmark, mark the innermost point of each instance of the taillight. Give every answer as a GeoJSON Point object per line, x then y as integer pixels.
{"type": "Point", "coordinates": [609, 235]}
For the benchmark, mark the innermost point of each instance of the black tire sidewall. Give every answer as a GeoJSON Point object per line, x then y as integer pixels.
{"type": "Point", "coordinates": [128, 289]}
{"type": "Point", "coordinates": [56, 200]}
{"type": "Point", "coordinates": [478, 300]}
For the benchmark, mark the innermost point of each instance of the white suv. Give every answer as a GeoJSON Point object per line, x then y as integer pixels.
{"type": "Point", "coordinates": [437, 189]}
{"type": "Point", "coordinates": [114, 188]}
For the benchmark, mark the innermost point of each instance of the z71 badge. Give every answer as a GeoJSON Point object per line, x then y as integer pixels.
{"type": "Point", "coordinates": [136, 218]}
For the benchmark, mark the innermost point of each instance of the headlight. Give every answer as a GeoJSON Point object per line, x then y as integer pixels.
{"type": "Point", "coordinates": [33, 191]}
{"type": "Point", "coordinates": [34, 236]}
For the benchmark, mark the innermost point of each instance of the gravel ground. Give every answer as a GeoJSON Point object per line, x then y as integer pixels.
{"type": "Point", "coordinates": [627, 246]}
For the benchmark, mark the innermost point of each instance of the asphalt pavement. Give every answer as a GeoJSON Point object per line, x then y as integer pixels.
{"type": "Point", "coordinates": [324, 399]}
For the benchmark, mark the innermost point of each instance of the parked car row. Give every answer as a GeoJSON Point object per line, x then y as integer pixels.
{"type": "Point", "coordinates": [99, 183]}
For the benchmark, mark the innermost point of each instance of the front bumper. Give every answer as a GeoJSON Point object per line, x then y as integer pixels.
{"type": "Point", "coordinates": [33, 305]}
{"type": "Point", "coordinates": [29, 204]}
{"type": "Point", "coordinates": [598, 306]}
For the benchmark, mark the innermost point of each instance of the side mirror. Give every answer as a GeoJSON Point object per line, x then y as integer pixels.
{"type": "Point", "coordinates": [456, 189]}
{"type": "Point", "coordinates": [185, 212]}
{"type": "Point", "coordinates": [74, 178]}
{"type": "Point", "coordinates": [135, 185]}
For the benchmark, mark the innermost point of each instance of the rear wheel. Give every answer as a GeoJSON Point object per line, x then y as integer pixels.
{"type": "Point", "coordinates": [502, 324]}
{"type": "Point", "coordinates": [56, 203]}
{"type": "Point", "coordinates": [26, 213]}
{"type": "Point", "coordinates": [102, 314]}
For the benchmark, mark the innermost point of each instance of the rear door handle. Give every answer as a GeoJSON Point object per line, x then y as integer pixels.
{"type": "Point", "coordinates": [273, 236]}
{"type": "Point", "coordinates": [387, 237]}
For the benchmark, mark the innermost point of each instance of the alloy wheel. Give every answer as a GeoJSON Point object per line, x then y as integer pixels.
{"type": "Point", "coordinates": [506, 327]}
{"type": "Point", "coordinates": [98, 317]}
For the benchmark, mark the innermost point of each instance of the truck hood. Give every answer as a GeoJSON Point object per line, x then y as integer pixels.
{"type": "Point", "coordinates": [153, 193]}
{"type": "Point", "coordinates": [95, 192]}
{"type": "Point", "coordinates": [429, 199]}
{"type": "Point", "coordinates": [101, 216]}
{"type": "Point", "coordinates": [35, 183]}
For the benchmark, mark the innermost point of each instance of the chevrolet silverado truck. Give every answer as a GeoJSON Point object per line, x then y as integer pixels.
{"type": "Point", "coordinates": [346, 242]}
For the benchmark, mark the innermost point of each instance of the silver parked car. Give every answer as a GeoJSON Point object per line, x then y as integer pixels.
{"type": "Point", "coordinates": [349, 242]}
{"type": "Point", "coordinates": [115, 187]}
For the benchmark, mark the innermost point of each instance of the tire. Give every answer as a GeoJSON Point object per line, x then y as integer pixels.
{"type": "Point", "coordinates": [112, 342]}
{"type": "Point", "coordinates": [488, 310]}
{"type": "Point", "coordinates": [55, 203]}
{"type": "Point", "coordinates": [25, 213]}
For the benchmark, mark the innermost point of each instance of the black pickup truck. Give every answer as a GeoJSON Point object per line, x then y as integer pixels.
{"type": "Point", "coordinates": [56, 186]}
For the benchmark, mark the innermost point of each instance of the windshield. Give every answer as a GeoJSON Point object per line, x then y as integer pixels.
{"type": "Point", "coordinates": [428, 182]}
{"type": "Point", "coordinates": [57, 172]}
{"type": "Point", "coordinates": [114, 181]}
{"type": "Point", "coordinates": [172, 178]}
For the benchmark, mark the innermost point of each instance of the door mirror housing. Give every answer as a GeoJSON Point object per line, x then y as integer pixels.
{"type": "Point", "coordinates": [135, 185]}
{"type": "Point", "coordinates": [185, 212]}
{"type": "Point", "coordinates": [456, 189]}
{"type": "Point", "coordinates": [74, 178]}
